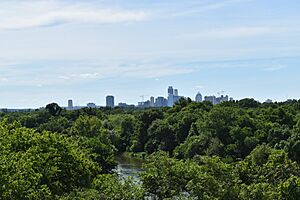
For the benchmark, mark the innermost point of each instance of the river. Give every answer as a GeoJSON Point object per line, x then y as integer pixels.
{"type": "Point", "coordinates": [129, 166]}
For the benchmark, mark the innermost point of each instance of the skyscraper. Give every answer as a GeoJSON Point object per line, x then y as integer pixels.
{"type": "Point", "coordinates": [70, 104]}
{"type": "Point", "coordinates": [175, 92]}
{"type": "Point", "coordinates": [198, 97]}
{"type": "Point", "coordinates": [151, 101]}
{"type": "Point", "coordinates": [161, 102]}
{"type": "Point", "coordinates": [170, 90]}
{"type": "Point", "coordinates": [173, 96]}
{"type": "Point", "coordinates": [110, 101]}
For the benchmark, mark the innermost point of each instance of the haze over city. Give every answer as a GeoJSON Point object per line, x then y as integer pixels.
{"type": "Point", "coordinates": [52, 51]}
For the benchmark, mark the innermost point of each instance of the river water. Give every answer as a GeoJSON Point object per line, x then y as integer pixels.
{"type": "Point", "coordinates": [129, 166]}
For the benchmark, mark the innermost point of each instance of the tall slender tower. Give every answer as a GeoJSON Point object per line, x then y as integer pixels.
{"type": "Point", "coordinates": [151, 101]}
{"type": "Point", "coordinates": [170, 96]}
{"type": "Point", "coordinates": [70, 104]}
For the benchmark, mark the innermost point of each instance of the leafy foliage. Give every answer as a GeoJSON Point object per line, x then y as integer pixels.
{"type": "Point", "coordinates": [235, 150]}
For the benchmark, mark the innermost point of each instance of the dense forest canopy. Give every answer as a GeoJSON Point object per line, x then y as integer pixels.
{"type": "Point", "coordinates": [235, 150]}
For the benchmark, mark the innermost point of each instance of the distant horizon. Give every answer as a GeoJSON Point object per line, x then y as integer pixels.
{"type": "Point", "coordinates": [65, 104]}
{"type": "Point", "coordinates": [55, 50]}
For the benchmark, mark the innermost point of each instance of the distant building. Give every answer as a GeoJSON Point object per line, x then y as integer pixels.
{"type": "Point", "coordinates": [145, 104]}
{"type": "Point", "coordinates": [170, 90]}
{"type": "Point", "coordinates": [170, 100]}
{"type": "Point", "coordinates": [222, 99]}
{"type": "Point", "coordinates": [176, 98]}
{"type": "Point", "coordinates": [268, 101]}
{"type": "Point", "coordinates": [198, 97]}
{"type": "Point", "coordinates": [161, 102]}
{"type": "Point", "coordinates": [124, 105]}
{"type": "Point", "coordinates": [173, 96]}
{"type": "Point", "coordinates": [175, 92]}
{"type": "Point", "coordinates": [70, 104]}
{"type": "Point", "coordinates": [152, 102]}
{"type": "Point", "coordinates": [110, 101]}
{"type": "Point", "coordinates": [216, 100]}
{"type": "Point", "coordinates": [211, 99]}
{"type": "Point", "coordinates": [231, 99]}
{"type": "Point", "coordinates": [91, 105]}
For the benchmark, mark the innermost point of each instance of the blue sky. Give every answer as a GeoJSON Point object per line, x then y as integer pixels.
{"type": "Point", "coordinates": [56, 50]}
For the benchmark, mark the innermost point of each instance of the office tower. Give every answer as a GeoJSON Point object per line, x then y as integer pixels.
{"type": "Point", "coordinates": [170, 100]}
{"type": "Point", "coordinates": [175, 92]}
{"type": "Point", "coordinates": [70, 104]}
{"type": "Point", "coordinates": [161, 102]}
{"type": "Point", "coordinates": [110, 101]}
{"type": "Point", "coordinates": [198, 97]}
{"type": "Point", "coordinates": [170, 96]}
{"type": "Point", "coordinates": [170, 90]}
{"type": "Point", "coordinates": [151, 101]}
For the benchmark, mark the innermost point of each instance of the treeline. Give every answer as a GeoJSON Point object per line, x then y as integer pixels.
{"type": "Point", "coordinates": [235, 150]}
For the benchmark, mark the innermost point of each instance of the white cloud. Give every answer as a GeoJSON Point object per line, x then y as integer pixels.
{"type": "Point", "coordinates": [28, 14]}
{"type": "Point", "coordinates": [203, 6]}
{"type": "Point", "coordinates": [232, 32]}
{"type": "Point", "coordinates": [70, 72]}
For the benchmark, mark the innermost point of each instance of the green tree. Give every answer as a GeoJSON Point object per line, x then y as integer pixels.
{"type": "Point", "coordinates": [41, 165]}
{"type": "Point", "coordinates": [54, 109]}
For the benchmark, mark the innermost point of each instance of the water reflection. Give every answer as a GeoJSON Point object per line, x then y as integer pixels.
{"type": "Point", "coordinates": [129, 166]}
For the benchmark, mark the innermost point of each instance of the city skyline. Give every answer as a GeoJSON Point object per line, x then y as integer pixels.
{"type": "Point", "coordinates": [54, 50]}
{"type": "Point", "coordinates": [161, 101]}
{"type": "Point", "coordinates": [114, 101]}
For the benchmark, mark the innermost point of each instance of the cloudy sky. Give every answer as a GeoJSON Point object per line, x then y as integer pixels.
{"type": "Point", "coordinates": [55, 50]}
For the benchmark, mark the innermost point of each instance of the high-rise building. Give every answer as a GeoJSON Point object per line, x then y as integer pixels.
{"type": "Point", "coordinates": [70, 104]}
{"type": "Point", "coordinates": [175, 92]}
{"type": "Point", "coordinates": [170, 100]}
{"type": "Point", "coordinates": [161, 102]}
{"type": "Point", "coordinates": [198, 97]}
{"type": "Point", "coordinates": [110, 101]}
{"type": "Point", "coordinates": [211, 99]}
{"type": "Point", "coordinates": [170, 90]}
{"type": "Point", "coordinates": [173, 96]}
{"type": "Point", "coordinates": [151, 101]}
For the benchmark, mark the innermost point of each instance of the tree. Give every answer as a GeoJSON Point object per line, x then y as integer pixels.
{"type": "Point", "coordinates": [248, 103]}
{"type": "Point", "coordinates": [161, 137]}
{"type": "Point", "coordinates": [41, 165]}
{"type": "Point", "coordinates": [54, 109]}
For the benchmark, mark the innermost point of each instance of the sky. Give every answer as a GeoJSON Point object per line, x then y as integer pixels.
{"type": "Point", "coordinates": [55, 50]}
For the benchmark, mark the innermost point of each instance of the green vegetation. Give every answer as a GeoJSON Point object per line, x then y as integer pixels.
{"type": "Point", "coordinates": [235, 150]}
